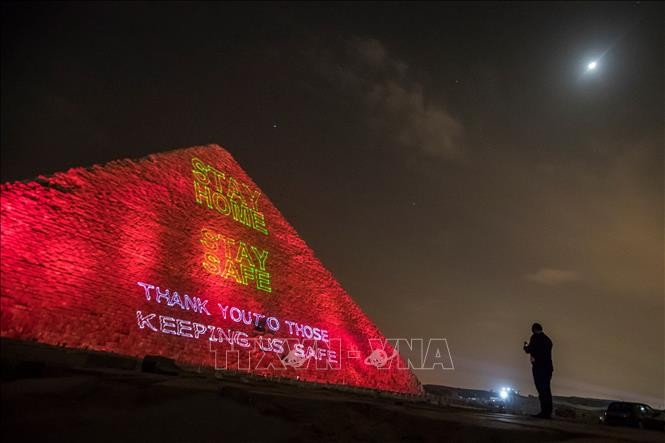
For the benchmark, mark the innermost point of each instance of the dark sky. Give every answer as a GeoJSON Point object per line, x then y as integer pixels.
{"type": "Point", "coordinates": [454, 166]}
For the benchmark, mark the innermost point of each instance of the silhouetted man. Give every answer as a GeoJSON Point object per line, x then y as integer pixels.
{"type": "Point", "coordinates": [540, 348]}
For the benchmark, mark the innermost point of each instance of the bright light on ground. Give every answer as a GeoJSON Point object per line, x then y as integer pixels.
{"type": "Point", "coordinates": [503, 394]}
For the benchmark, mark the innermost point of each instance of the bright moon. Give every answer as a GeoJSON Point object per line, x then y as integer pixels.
{"type": "Point", "coordinates": [591, 66]}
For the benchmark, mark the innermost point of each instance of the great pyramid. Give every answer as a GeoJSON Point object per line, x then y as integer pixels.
{"type": "Point", "coordinates": [180, 254]}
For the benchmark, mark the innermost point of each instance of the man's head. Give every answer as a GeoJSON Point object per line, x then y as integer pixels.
{"type": "Point", "coordinates": [536, 328]}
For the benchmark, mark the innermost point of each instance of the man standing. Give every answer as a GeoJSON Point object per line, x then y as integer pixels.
{"type": "Point", "coordinates": [540, 348]}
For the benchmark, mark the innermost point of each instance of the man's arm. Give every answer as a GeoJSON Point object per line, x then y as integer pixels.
{"type": "Point", "coordinates": [528, 346]}
{"type": "Point", "coordinates": [533, 345]}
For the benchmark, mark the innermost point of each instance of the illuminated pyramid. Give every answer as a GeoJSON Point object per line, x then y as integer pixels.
{"type": "Point", "coordinates": [180, 254]}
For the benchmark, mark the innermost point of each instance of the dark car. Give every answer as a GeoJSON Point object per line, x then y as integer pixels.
{"type": "Point", "coordinates": [633, 414]}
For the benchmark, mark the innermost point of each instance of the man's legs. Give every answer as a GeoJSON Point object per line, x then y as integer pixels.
{"type": "Point", "coordinates": [542, 381]}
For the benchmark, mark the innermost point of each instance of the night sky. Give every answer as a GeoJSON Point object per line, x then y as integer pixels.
{"type": "Point", "coordinates": [456, 167]}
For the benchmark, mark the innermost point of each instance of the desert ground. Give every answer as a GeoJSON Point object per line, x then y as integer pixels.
{"type": "Point", "coordinates": [106, 399]}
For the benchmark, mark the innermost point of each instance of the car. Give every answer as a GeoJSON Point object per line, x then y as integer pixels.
{"type": "Point", "coordinates": [638, 415]}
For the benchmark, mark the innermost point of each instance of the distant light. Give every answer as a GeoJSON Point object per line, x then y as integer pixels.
{"type": "Point", "coordinates": [503, 394]}
{"type": "Point", "coordinates": [591, 66]}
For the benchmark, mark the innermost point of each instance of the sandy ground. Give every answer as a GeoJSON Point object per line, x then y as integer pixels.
{"type": "Point", "coordinates": [129, 405]}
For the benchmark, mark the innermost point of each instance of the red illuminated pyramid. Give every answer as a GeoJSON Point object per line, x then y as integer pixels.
{"type": "Point", "coordinates": [180, 254]}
